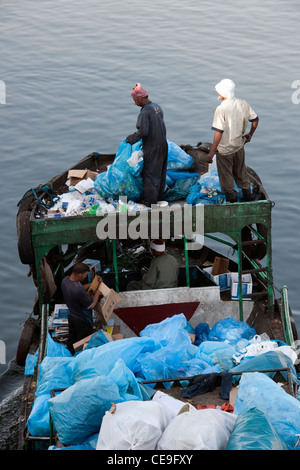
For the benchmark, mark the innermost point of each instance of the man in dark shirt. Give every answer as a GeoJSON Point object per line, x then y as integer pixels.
{"type": "Point", "coordinates": [152, 130]}
{"type": "Point", "coordinates": [79, 304]}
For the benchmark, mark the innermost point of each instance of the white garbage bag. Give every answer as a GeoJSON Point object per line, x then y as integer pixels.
{"type": "Point", "coordinates": [133, 425]}
{"type": "Point", "coordinates": [207, 429]}
{"type": "Point", "coordinates": [172, 404]}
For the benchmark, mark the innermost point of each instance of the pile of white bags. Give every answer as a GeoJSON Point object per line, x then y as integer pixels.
{"type": "Point", "coordinates": [133, 425]}
{"type": "Point", "coordinates": [160, 424]}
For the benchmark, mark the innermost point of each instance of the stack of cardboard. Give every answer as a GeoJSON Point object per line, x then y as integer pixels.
{"type": "Point", "coordinates": [227, 280]}
{"type": "Point", "coordinates": [76, 176]}
{"type": "Point", "coordinates": [104, 310]}
{"type": "Point", "coordinates": [111, 298]}
{"type": "Point", "coordinates": [219, 273]}
{"type": "Point", "coordinates": [114, 336]}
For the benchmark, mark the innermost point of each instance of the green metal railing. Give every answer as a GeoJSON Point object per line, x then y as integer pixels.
{"type": "Point", "coordinates": [285, 316]}
{"type": "Point", "coordinates": [228, 219]}
{"type": "Point", "coordinates": [264, 273]}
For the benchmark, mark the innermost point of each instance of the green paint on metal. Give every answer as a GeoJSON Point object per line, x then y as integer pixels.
{"type": "Point", "coordinates": [187, 269]}
{"type": "Point", "coordinates": [228, 219]}
{"type": "Point", "coordinates": [285, 316]}
{"type": "Point", "coordinates": [115, 264]}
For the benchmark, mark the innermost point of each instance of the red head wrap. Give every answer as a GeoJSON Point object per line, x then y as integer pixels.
{"type": "Point", "coordinates": [138, 92]}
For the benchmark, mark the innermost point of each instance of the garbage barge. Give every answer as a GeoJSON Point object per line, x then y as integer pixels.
{"type": "Point", "coordinates": [50, 245]}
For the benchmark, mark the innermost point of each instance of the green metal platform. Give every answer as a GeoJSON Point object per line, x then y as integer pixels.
{"type": "Point", "coordinates": [227, 219]}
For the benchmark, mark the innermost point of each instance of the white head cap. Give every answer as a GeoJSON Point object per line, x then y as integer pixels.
{"type": "Point", "coordinates": [158, 245]}
{"type": "Point", "coordinates": [225, 88]}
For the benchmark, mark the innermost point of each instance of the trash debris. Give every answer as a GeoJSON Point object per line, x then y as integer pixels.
{"type": "Point", "coordinates": [133, 425]}
{"type": "Point", "coordinates": [99, 194]}
{"type": "Point", "coordinates": [77, 412]}
{"type": "Point", "coordinates": [253, 431]}
{"type": "Point", "coordinates": [207, 429]}
{"type": "Point", "coordinates": [282, 410]}
{"type": "Point", "coordinates": [107, 372]}
{"type": "Point", "coordinates": [207, 190]}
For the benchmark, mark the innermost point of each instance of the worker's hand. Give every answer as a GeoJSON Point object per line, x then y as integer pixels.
{"type": "Point", "coordinates": [247, 138]}
{"type": "Point", "coordinates": [96, 297]}
{"type": "Point", "coordinates": [99, 278]}
{"type": "Point", "coordinates": [210, 157]}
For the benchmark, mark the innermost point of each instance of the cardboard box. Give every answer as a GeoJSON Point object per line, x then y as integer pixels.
{"type": "Point", "coordinates": [93, 287]}
{"type": "Point", "coordinates": [61, 311]}
{"type": "Point", "coordinates": [117, 337]}
{"type": "Point", "coordinates": [192, 337]}
{"type": "Point", "coordinates": [246, 286]}
{"type": "Point", "coordinates": [78, 175]}
{"type": "Point", "coordinates": [81, 344]}
{"type": "Point", "coordinates": [95, 266]}
{"type": "Point", "coordinates": [113, 336]}
{"type": "Point", "coordinates": [222, 280]}
{"type": "Point", "coordinates": [220, 266]}
{"type": "Point", "coordinates": [111, 298]}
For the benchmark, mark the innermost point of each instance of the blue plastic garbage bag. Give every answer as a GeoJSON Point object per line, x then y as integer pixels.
{"type": "Point", "coordinates": [166, 362]}
{"type": "Point", "coordinates": [281, 409]}
{"type": "Point", "coordinates": [195, 197]}
{"type": "Point", "coordinates": [201, 333]}
{"type": "Point", "coordinates": [208, 189]}
{"type": "Point", "coordinates": [231, 330]}
{"type": "Point", "coordinates": [38, 423]}
{"type": "Point", "coordinates": [252, 431]}
{"type": "Point", "coordinates": [53, 374]}
{"type": "Point", "coordinates": [164, 331]}
{"type": "Point", "coordinates": [174, 177]}
{"type": "Point", "coordinates": [30, 363]}
{"type": "Point", "coordinates": [178, 159]}
{"type": "Point", "coordinates": [78, 447]}
{"type": "Point", "coordinates": [216, 352]}
{"type": "Point", "coordinates": [189, 328]}
{"type": "Point", "coordinates": [266, 361]}
{"type": "Point", "coordinates": [90, 444]}
{"type": "Point", "coordinates": [77, 412]}
{"type": "Point", "coordinates": [123, 177]}
{"type": "Point", "coordinates": [101, 360]}
{"type": "Point", "coordinates": [210, 180]}
{"type": "Point", "coordinates": [54, 349]}
{"type": "Point", "coordinates": [128, 386]}
{"type": "Point", "coordinates": [92, 441]}
{"type": "Point", "coordinates": [197, 366]}
{"type": "Point", "coordinates": [180, 188]}
{"type": "Point", "coordinates": [96, 340]}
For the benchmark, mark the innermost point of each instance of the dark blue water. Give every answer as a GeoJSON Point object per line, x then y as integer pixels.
{"type": "Point", "coordinates": [68, 69]}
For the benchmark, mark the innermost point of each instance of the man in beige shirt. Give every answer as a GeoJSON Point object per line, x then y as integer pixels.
{"type": "Point", "coordinates": [230, 123]}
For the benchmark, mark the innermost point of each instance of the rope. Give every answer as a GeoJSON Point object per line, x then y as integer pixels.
{"type": "Point", "coordinates": [36, 192]}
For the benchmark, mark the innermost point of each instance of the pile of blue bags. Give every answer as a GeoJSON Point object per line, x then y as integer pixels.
{"type": "Point", "coordinates": [207, 189]}
{"type": "Point", "coordinates": [123, 177]}
{"type": "Point", "coordinates": [112, 372]}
